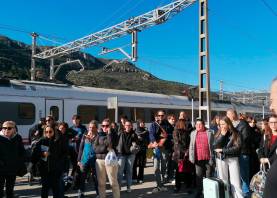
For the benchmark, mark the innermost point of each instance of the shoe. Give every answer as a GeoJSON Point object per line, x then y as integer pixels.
{"type": "Point", "coordinates": [155, 190]}
{"type": "Point", "coordinates": [163, 189]}
{"type": "Point", "coordinates": [176, 190]}
{"type": "Point", "coordinates": [140, 181]}
{"type": "Point", "coordinates": [129, 190]}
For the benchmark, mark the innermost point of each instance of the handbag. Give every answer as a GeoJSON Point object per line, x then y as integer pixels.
{"type": "Point", "coordinates": [257, 183]}
{"type": "Point", "coordinates": [149, 153]}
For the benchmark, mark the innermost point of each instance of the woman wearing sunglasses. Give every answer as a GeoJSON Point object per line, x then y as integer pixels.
{"type": "Point", "coordinates": [12, 154]}
{"type": "Point", "coordinates": [50, 153]}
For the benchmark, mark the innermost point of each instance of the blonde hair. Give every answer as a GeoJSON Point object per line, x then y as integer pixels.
{"type": "Point", "coordinates": [9, 123]}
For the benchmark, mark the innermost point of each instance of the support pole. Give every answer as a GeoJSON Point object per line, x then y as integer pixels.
{"type": "Point", "coordinates": [51, 68]}
{"type": "Point", "coordinates": [204, 63]}
{"type": "Point", "coordinates": [134, 46]}
{"type": "Point", "coordinates": [33, 61]}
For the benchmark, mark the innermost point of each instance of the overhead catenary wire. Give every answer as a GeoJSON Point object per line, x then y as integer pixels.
{"type": "Point", "coordinates": [269, 7]}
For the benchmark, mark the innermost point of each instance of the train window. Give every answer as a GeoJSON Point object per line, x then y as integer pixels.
{"type": "Point", "coordinates": [21, 113]}
{"type": "Point", "coordinates": [54, 111]}
{"type": "Point", "coordinates": [140, 114]}
{"type": "Point", "coordinates": [89, 112]}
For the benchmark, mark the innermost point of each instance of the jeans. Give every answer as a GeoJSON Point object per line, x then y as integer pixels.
{"type": "Point", "coordinates": [160, 167]}
{"type": "Point", "coordinates": [244, 163]}
{"type": "Point", "coordinates": [128, 162]}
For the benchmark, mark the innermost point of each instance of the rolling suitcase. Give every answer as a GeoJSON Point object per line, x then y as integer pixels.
{"type": "Point", "coordinates": [215, 188]}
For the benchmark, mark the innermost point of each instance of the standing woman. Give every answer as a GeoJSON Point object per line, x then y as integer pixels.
{"type": "Point", "coordinates": [128, 140]}
{"type": "Point", "coordinates": [181, 137]}
{"type": "Point", "coordinates": [268, 146]}
{"type": "Point", "coordinates": [227, 146]}
{"type": "Point", "coordinates": [12, 154]}
{"type": "Point", "coordinates": [50, 153]}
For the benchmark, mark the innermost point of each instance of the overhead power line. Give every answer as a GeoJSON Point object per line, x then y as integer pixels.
{"type": "Point", "coordinates": [269, 7]}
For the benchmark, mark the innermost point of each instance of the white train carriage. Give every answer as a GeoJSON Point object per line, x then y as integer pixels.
{"type": "Point", "coordinates": [26, 102]}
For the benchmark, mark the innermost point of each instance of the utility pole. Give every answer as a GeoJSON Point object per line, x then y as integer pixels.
{"type": "Point", "coordinates": [204, 62]}
{"type": "Point", "coordinates": [221, 90]}
{"type": "Point", "coordinates": [33, 61]}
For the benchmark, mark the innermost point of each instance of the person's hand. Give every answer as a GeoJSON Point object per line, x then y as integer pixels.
{"type": "Point", "coordinates": [264, 160]}
{"type": "Point", "coordinates": [45, 154]}
{"type": "Point", "coordinates": [36, 133]}
{"type": "Point", "coordinates": [218, 150]}
{"type": "Point", "coordinates": [79, 164]}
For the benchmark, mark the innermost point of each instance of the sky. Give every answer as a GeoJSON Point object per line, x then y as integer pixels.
{"type": "Point", "coordinates": [242, 36]}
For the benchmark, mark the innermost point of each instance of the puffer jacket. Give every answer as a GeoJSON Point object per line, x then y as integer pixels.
{"type": "Point", "coordinates": [12, 154]}
{"type": "Point", "coordinates": [229, 149]}
{"type": "Point", "coordinates": [104, 142]}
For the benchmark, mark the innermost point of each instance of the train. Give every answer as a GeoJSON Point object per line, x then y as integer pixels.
{"type": "Point", "coordinates": [26, 102]}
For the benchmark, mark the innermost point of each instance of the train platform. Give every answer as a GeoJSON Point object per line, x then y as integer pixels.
{"type": "Point", "coordinates": [144, 190]}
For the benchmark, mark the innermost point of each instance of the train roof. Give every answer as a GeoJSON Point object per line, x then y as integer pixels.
{"type": "Point", "coordinates": [53, 90]}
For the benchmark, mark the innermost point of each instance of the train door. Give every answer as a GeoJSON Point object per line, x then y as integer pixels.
{"type": "Point", "coordinates": [55, 108]}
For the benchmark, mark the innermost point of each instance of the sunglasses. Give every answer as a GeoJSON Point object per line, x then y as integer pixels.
{"type": "Point", "coordinates": [103, 125]}
{"type": "Point", "coordinates": [161, 115]}
{"type": "Point", "coordinates": [49, 132]}
{"type": "Point", "coordinates": [7, 128]}
{"type": "Point", "coordinates": [48, 120]}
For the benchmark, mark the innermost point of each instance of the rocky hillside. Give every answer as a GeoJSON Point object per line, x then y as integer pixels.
{"type": "Point", "coordinates": [15, 60]}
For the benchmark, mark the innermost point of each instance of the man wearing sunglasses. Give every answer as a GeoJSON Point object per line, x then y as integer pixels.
{"type": "Point", "coordinates": [12, 155]}
{"type": "Point", "coordinates": [158, 132]}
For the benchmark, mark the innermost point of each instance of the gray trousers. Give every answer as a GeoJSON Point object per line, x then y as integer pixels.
{"type": "Point", "coordinates": [160, 167]}
{"type": "Point", "coordinates": [229, 172]}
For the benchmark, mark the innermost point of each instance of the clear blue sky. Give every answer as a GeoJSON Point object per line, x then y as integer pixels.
{"type": "Point", "coordinates": [243, 36]}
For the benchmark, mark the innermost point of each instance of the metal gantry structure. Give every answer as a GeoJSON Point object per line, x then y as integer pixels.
{"type": "Point", "coordinates": [204, 62]}
{"type": "Point", "coordinates": [139, 23]}
{"type": "Point", "coordinates": [133, 26]}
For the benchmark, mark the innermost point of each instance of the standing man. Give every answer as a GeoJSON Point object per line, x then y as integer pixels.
{"type": "Point", "coordinates": [158, 135]}
{"type": "Point", "coordinates": [244, 160]}
{"type": "Point", "coordinates": [200, 152]}
{"type": "Point", "coordinates": [270, 189]}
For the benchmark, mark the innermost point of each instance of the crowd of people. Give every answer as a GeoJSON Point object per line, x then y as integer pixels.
{"type": "Point", "coordinates": [232, 149]}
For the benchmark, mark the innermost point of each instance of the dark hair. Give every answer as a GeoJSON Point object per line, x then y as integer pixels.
{"type": "Point", "coordinates": [76, 117]}
{"type": "Point", "coordinates": [200, 120]}
{"type": "Point", "coordinates": [64, 124]}
{"type": "Point", "coordinates": [180, 124]}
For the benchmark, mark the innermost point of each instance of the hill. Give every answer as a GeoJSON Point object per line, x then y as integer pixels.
{"type": "Point", "coordinates": [15, 61]}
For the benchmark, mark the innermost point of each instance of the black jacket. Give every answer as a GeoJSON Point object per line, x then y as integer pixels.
{"type": "Point", "coordinates": [125, 141]}
{"type": "Point", "coordinates": [12, 154]}
{"type": "Point", "coordinates": [229, 149]}
{"type": "Point", "coordinates": [104, 142]}
{"type": "Point", "coordinates": [267, 152]}
{"type": "Point", "coordinates": [245, 132]}
{"type": "Point", "coordinates": [55, 162]}
{"type": "Point", "coordinates": [143, 138]}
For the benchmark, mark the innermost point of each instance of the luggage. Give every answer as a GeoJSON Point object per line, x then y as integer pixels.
{"type": "Point", "coordinates": [215, 188]}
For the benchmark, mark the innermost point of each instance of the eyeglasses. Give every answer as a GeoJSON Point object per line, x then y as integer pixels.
{"type": "Point", "coordinates": [269, 123]}
{"type": "Point", "coordinates": [7, 128]}
{"type": "Point", "coordinates": [127, 125]}
{"type": "Point", "coordinates": [105, 125]}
